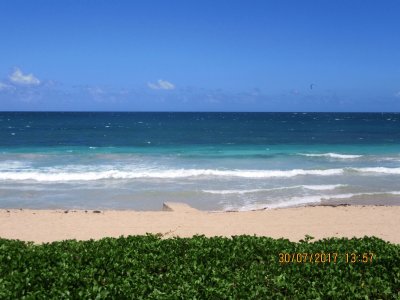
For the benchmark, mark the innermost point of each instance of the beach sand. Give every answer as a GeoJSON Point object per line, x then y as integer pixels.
{"type": "Point", "coordinates": [177, 219]}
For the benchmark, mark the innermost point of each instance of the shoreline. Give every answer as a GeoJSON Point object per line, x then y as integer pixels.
{"type": "Point", "coordinates": [179, 219]}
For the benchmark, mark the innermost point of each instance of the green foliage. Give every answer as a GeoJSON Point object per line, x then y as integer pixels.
{"type": "Point", "coordinates": [241, 267]}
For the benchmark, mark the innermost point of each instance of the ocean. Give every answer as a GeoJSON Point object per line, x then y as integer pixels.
{"type": "Point", "coordinates": [211, 161]}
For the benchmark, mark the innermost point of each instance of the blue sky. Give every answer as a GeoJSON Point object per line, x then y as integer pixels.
{"type": "Point", "coordinates": [200, 55]}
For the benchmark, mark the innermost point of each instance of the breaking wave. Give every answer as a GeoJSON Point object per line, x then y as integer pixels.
{"type": "Point", "coordinates": [332, 155]}
{"type": "Point", "coordinates": [168, 174]}
{"type": "Point", "coordinates": [76, 175]}
{"type": "Point", "coordinates": [324, 187]}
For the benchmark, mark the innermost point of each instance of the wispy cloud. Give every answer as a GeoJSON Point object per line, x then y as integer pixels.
{"type": "Point", "coordinates": [6, 87]}
{"type": "Point", "coordinates": [161, 85]}
{"type": "Point", "coordinates": [397, 94]}
{"type": "Point", "coordinates": [95, 91]}
{"type": "Point", "coordinates": [17, 77]}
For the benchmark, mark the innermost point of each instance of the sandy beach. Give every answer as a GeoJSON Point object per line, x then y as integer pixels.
{"type": "Point", "coordinates": [177, 219]}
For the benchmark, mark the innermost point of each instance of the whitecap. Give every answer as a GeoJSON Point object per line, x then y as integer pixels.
{"type": "Point", "coordinates": [226, 192]}
{"type": "Point", "coordinates": [64, 175]}
{"type": "Point", "coordinates": [332, 155]}
{"type": "Point", "coordinates": [383, 170]}
{"type": "Point", "coordinates": [250, 191]}
{"type": "Point", "coordinates": [323, 187]}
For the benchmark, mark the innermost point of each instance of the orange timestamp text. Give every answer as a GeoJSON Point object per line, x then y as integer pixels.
{"type": "Point", "coordinates": [326, 257]}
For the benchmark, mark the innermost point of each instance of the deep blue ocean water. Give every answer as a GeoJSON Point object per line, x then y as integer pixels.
{"type": "Point", "coordinates": [213, 161]}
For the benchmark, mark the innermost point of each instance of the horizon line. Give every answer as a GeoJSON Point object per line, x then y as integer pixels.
{"type": "Point", "coordinates": [184, 111]}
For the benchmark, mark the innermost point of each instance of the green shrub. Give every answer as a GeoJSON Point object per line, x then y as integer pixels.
{"type": "Point", "coordinates": [241, 267]}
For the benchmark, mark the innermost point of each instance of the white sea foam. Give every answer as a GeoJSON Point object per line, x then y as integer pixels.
{"type": "Point", "coordinates": [250, 191]}
{"type": "Point", "coordinates": [323, 187]}
{"type": "Point", "coordinates": [240, 192]}
{"type": "Point", "coordinates": [62, 175]}
{"type": "Point", "coordinates": [332, 155]}
{"type": "Point", "coordinates": [76, 174]}
{"type": "Point", "coordinates": [296, 201]}
{"type": "Point", "coordinates": [383, 170]}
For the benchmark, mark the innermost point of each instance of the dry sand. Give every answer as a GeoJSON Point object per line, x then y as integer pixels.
{"type": "Point", "coordinates": [181, 220]}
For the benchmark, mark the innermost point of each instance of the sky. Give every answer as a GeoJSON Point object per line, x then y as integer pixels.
{"type": "Point", "coordinates": [219, 55]}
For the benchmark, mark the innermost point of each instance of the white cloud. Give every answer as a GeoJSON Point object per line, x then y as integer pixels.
{"type": "Point", "coordinates": [6, 87]}
{"type": "Point", "coordinates": [397, 94]}
{"type": "Point", "coordinates": [95, 91]}
{"type": "Point", "coordinates": [161, 85]}
{"type": "Point", "coordinates": [17, 77]}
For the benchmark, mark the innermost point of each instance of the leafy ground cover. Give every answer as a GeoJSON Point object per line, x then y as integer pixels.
{"type": "Point", "coordinates": [241, 267]}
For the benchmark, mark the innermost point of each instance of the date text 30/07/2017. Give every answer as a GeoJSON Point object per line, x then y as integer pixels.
{"type": "Point", "coordinates": [326, 257]}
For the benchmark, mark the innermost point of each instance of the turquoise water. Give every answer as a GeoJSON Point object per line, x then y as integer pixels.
{"type": "Point", "coordinates": [213, 161]}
